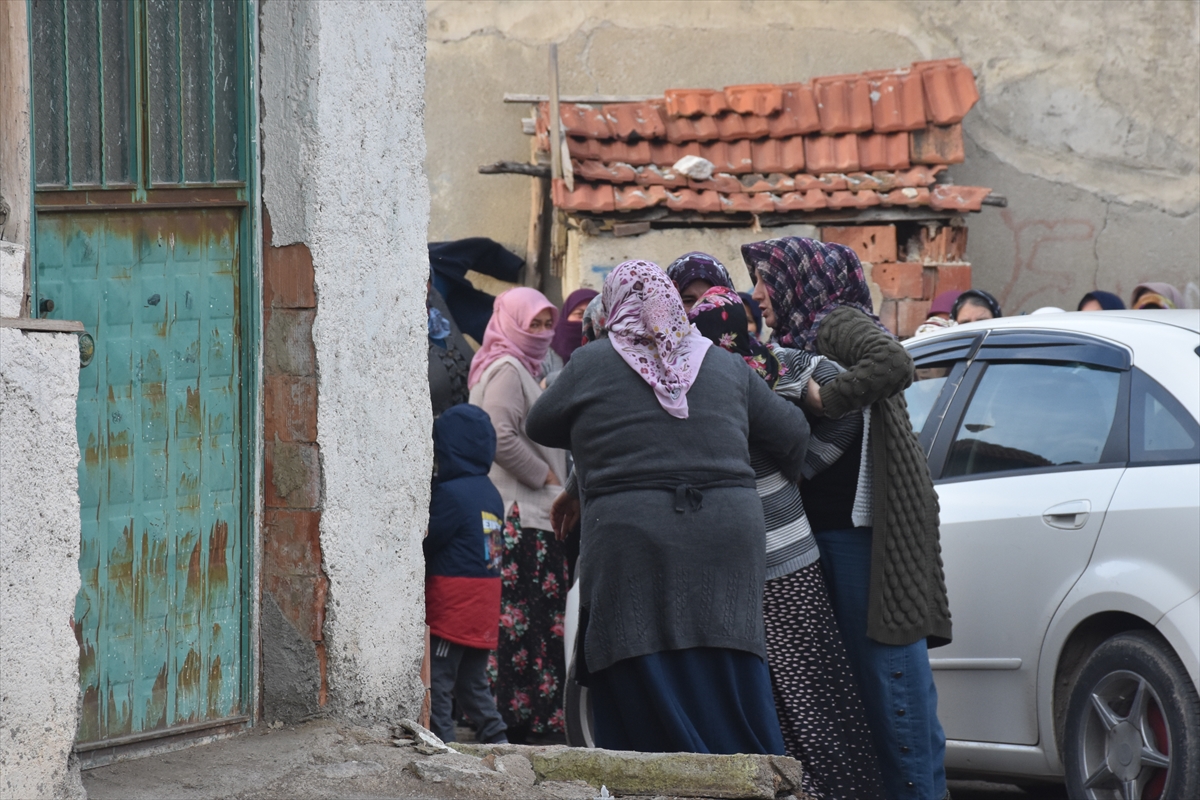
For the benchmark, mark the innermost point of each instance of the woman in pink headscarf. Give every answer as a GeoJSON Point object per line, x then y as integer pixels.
{"type": "Point", "coordinates": [528, 676]}
{"type": "Point", "coordinates": [672, 553]}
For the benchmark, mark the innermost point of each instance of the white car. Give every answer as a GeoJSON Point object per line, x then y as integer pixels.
{"type": "Point", "coordinates": [1066, 453]}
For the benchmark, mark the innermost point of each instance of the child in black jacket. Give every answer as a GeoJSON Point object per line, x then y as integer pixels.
{"type": "Point", "coordinates": [462, 572]}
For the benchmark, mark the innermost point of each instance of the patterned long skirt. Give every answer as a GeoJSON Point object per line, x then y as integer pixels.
{"type": "Point", "coordinates": [820, 711]}
{"type": "Point", "coordinates": [528, 669]}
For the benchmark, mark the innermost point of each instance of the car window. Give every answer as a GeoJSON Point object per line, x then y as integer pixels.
{"type": "Point", "coordinates": [920, 397]}
{"type": "Point", "coordinates": [1024, 416]}
{"type": "Point", "coordinates": [1160, 428]}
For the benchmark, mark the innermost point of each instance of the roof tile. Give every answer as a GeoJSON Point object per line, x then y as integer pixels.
{"type": "Point", "coordinates": [832, 182]}
{"type": "Point", "coordinates": [762, 99]}
{"type": "Point", "coordinates": [767, 156]}
{"type": "Point", "coordinates": [863, 199]}
{"type": "Point", "coordinates": [586, 197]}
{"type": "Point", "coordinates": [584, 120]}
{"type": "Point", "coordinates": [747, 203]}
{"type": "Point", "coordinates": [686, 129]}
{"type": "Point", "coordinates": [950, 89]}
{"type": "Point", "coordinates": [635, 198]}
{"type": "Point", "coordinates": [636, 120]}
{"type": "Point", "coordinates": [798, 114]}
{"type": "Point", "coordinates": [897, 100]}
{"type": "Point", "coordinates": [693, 102]}
{"type": "Point", "coordinates": [937, 145]}
{"type": "Point", "coordinates": [812, 200]}
{"type": "Point", "coordinates": [720, 182]}
{"type": "Point", "coordinates": [844, 103]}
{"type": "Point", "coordinates": [653, 175]}
{"type": "Point", "coordinates": [665, 154]}
{"type": "Point", "coordinates": [911, 197]}
{"type": "Point", "coordinates": [888, 151]}
{"type": "Point", "coordinates": [831, 153]}
{"type": "Point", "coordinates": [599, 171]}
{"type": "Point", "coordinates": [957, 198]}
{"type": "Point", "coordinates": [917, 176]}
{"type": "Point", "coordinates": [689, 200]}
{"type": "Point", "coordinates": [731, 127]}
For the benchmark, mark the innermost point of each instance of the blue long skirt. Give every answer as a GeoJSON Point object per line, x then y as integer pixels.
{"type": "Point", "coordinates": [700, 700]}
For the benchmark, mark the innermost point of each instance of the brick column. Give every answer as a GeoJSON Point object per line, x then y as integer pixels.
{"type": "Point", "coordinates": [909, 267]}
{"type": "Point", "coordinates": [292, 575]}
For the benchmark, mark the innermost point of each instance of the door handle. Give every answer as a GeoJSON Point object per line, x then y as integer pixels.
{"type": "Point", "coordinates": [1069, 516]}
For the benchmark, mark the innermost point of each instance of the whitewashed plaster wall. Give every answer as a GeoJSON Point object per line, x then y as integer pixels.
{"type": "Point", "coordinates": [1089, 118]}
{"type": "Point", "coordinates": [39, 564]}
{"type": "Point", "coordinates": [343, 155]}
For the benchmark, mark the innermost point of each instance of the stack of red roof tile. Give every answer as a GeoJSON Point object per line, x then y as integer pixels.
{"type": "Point", "coordinates": [844, 141]}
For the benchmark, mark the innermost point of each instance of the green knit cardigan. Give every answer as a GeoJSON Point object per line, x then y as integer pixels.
{"type": "Point", "coordinates": [908, 587]}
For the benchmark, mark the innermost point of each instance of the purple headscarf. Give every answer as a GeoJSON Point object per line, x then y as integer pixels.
{"type": "Point", "coordinates": [568, 335]}
{"type": "Point", "coordinates": [692, 267]}
{"type": "Point", "coordinates": [807, 280]}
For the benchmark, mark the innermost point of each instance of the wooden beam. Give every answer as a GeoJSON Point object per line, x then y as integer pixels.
{"type": "Point", "coordinates": [556, 165]}
{"type": "Point", "coordinates": [42, 325]}
{"type": "Point", "coordinates": [515, 168]}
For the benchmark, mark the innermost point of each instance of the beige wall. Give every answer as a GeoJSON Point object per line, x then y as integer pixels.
{"type": "Point", "coordinates": [1089, 120]}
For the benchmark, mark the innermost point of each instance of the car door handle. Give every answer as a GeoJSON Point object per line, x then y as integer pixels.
{"type": "Point", "coordinates": [1069, 516]}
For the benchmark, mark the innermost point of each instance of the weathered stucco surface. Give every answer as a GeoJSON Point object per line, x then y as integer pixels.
{"type": "Point", "coordinates": [590, 257]}
{"type": "Point", "coordinates": [1089, 120]}
{"type": "Point", "coordinates": [343, 145]}
{"type": "Point", "coordinates": [39, 564]}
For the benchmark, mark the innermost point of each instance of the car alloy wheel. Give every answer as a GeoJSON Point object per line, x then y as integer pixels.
{"type": "Point", "coordinates": [1133, 723]}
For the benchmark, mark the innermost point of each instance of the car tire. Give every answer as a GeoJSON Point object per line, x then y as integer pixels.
{"type": "Point", "coordinates": [1133, 723]}
{"type": "Point", "coordinates": [578, 712]}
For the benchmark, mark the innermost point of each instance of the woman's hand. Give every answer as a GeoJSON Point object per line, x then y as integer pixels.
{"type": "Point", "coordinates": [564, 515]}
{"type": "Point", "coordinates": [552, 479]}
{"type": "Point", "coordinates": [812, 398]}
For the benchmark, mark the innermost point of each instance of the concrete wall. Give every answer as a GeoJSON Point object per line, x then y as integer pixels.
{"type": "Point", "coordinates": [343, 149]}
{"type": "Point", "coordinates": [1089, 120]}
{"type": "Point", "coordinates": [39, 564]}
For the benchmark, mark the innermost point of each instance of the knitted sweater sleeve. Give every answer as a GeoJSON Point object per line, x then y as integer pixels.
{"type": "Point", "coordinates": [877, 366]}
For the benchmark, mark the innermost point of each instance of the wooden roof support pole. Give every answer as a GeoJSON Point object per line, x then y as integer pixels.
{"type": "Point", "coordinates": [560, 168]}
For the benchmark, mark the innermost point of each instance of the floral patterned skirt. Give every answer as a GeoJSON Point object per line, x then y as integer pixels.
{"type": "Point", "coordinates": [528, 669]}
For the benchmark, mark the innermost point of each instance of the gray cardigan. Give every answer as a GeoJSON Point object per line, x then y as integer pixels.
{"type": "Point", "coordinates": [658, 572]}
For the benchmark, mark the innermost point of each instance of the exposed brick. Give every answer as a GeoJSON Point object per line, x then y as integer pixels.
{"type": "Point", "coordinates": [952, 277]}
{"type": "Point", "coordinates": [288, 277]}
{"type": "Point", "coordinates": [288, 343]}
{"type": "Point", "coordinates": [910, 314]}
{"type": "Point", "coordinates": [899, 279]}
{"type": "Point", "coordinates": [301, 598]}
{"type": "Point", "coordinates": [289, 408]}
{"type": "Point", "coordinates": [887, 314]}
{"type": "Point", "coordinates": [292, 542]}
{"type": "Point", "coordinates": [873, 243]}
{"type": "Point", "coordinates": [947, 245]}
{"type": "Point", "coordinates": [929, 282]}
{"type": "Point", "coordinates": [292, 475]}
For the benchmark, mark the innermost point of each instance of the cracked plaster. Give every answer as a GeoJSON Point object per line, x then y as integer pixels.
{"type": "Point", "coordinates": [1070, 112]}
{"type": "Point", "coordinates": [343, 88]}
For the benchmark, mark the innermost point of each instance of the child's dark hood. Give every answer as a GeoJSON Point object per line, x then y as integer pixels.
{"type": "Point", "coordinates": [464, 442]}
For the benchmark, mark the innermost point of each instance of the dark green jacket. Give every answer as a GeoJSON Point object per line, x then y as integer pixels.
{"type": "Point", "coordinates": [908, 587]}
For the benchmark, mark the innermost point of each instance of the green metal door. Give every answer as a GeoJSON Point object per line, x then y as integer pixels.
{"type": "Point", "coordinates": [141, 227]}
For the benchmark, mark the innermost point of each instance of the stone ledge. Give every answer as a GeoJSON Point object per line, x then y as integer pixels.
{"type": "Point", "coordinates": [728, 777]}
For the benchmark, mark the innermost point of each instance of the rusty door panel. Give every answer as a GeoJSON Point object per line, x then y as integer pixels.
{"type": "Point", "coordinates": [158, 618]}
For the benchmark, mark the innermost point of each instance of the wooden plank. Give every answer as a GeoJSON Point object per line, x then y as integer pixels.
{"type": "Point", "coordinates": [537, 206]}
{"type": "Point", "coordinates": [42, 325]}
{"type": "Point", "coordinates": [556, 166]}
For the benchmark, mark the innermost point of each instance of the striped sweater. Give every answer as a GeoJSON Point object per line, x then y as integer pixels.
{"type": "Point", "coordinates": [790, 542]}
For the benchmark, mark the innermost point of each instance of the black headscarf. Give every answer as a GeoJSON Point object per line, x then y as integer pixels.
{"type": "Point", "coordinates": [721, 318]}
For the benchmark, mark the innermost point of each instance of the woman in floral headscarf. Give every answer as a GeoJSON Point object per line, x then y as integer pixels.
{"type": "Point", "coordinates": [529, 667]}
{"type": "Point", "coordinates": [874, 511]}
{"type": "Point", "coordinates": [672, 558]}
{"type": "Point", "coordinates": [820, 711]}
